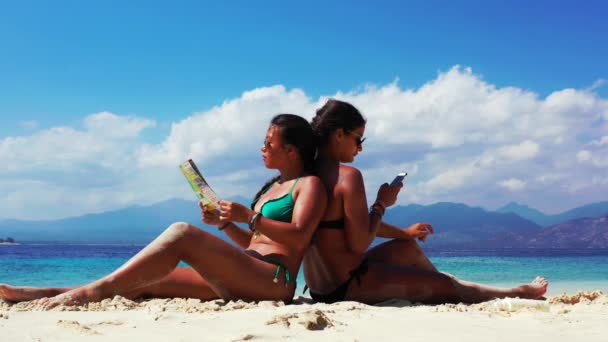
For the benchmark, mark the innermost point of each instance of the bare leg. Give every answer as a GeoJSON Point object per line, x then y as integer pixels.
{"type": "Point", "coordinates": [474, 292]}
{"type": "Point", "coordinates": [24, 293]}
{"type": "Point", "coordinates": [223, 266]}
{"type": "Point", "coordinates": [182, 282]}
{"type": "Point", "coordinates": [401, 253]}
{"type": "Point", "coordinates": [384, 281]}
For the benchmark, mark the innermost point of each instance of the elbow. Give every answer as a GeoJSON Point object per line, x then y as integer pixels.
{"type": "Point", "coordinates": [300, 229]}
{"type": "Point", "coordinates": [293, 237]}
{"type": "Point", "coordinates": [360, 244]}
{"type": "Point", "coordinates": [302, 234]}
{"type": "Point", "coordinates": [358, 248]}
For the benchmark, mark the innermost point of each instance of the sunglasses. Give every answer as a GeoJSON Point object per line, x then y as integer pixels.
{"type": "Point", "coordinates": [359, 138]}
{"type": "Point", "coordinates": [267, 144]}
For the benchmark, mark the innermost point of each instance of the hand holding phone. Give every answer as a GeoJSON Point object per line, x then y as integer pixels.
{"type": "Point", "coordinates": [399, 178]}
{"type": "Point", "coordinates": [387, 194]}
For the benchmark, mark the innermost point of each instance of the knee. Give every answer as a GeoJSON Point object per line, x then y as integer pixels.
{"type": "Point", "coordinates": [179, 230]}
{"type": "Point", "coordinates": [409, 245]}
{"type": "Point", "coordinates": [413, 245]}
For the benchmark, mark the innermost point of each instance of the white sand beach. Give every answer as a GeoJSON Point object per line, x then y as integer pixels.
{"type": "Point", "coordinates": [580, 316]}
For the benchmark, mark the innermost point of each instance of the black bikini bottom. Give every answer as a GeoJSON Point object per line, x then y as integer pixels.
{"type": "Point", "coordinates": [339, 293]}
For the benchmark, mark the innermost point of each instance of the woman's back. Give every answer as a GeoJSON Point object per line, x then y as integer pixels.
{"type": "Point", "coordinates": [329, 259]}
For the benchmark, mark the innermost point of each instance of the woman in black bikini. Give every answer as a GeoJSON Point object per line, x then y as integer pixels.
{"type": "Point", "coordinates": [282, 220]}
{"type": "Point", "coordinates": [338, 265]}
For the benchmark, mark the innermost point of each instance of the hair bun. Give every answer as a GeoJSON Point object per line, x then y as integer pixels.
{"type": "Point", "coordinates": [315, 122]}
{"type": "Point", "coordinates": [335, 114]}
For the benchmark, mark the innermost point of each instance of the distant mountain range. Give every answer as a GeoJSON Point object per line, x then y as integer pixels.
{"type": "Point", "coordinates": [456, 225]}
{"type": "Point", "coordinates": [587, 211]}
{"type": "Point", "coordinates": [459, 224]}
{"type": "Point", "coordinates": [133, 225]}
{"type": "Point", "coordinates": [578, 233]}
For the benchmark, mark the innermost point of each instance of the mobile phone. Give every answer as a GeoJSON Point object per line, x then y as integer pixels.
{"type": "Point", "coordinates": [399, 178]}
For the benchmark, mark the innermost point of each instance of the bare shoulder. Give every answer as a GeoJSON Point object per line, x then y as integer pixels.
{"type": "Point", "coordinates": [350, 181]}
{"type": "Point", "coordinates": [311, 186]}
{"type": "Point", "coordinates": [310, 182]}
{"type": "Point", "coordinates": [350, 174]}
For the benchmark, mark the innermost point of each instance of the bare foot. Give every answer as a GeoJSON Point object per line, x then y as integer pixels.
{"type": "Point", "coordinates": [77, 296]}
{"type": "Point", "coordinates": [25, 293]}
{"type": "Point", "coordinates": [535, 290]}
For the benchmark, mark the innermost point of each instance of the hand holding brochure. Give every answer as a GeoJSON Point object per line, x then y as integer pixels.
{"type": "Point", "coordinates": [202, 189]}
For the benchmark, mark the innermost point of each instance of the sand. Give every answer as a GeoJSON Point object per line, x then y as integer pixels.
{"type": "Point", "coordinates": [579, 316]}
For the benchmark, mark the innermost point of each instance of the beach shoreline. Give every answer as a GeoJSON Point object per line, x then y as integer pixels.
{"type": "Point", "coordinates": [560, 318]}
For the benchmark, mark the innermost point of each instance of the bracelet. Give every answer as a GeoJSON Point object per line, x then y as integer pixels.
{"type": "Point", "coordinates": [252, 221]}
{"type": "Point", "coordinates": [224, 226]}
{"type": "Point", "coordinates": [374, 211]}
{"type": "Point", "coordinates": [377, 206]}
{"type": "Point", "coordinates": [381, 204]}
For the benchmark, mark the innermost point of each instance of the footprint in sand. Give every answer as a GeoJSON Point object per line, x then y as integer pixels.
{"type": "Point", "coordinates": [75, 326]}
{"type": "Point", "coordinates": [281, 319]}
{"type": "Point", "coordinates": [311, 320]}
{"type": "Point", "coordinates": [112, 323]}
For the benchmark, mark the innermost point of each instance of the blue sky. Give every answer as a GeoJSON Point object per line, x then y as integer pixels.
{"type": "Point", "coordinates": [156, 65]}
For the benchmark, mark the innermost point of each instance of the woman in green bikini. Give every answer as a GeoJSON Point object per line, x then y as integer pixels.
{"type": "Point", "coordinates": [339, 266]}
{"type": "Point", "coordinates": [282, 220]}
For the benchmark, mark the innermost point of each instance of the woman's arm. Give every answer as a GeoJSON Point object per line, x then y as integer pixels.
{"type": "Point", "coordinates": [360, 226]}
{"type": "Point", "coordinates": [240, 236]}
{"type": "Point", "coordinates": [390, 231]}
{"type": "Point", "coordinates": [309, 207]}
{"type": "Point", "coordinates": [416, 231]}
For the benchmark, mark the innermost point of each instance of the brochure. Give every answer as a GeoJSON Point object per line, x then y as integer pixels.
{"type": "Point", "coordinates": [202, 189]}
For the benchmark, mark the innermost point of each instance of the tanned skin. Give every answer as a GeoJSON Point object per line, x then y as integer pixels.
{"type": "Point", "coordinates": [398, 268]}
{"type": "Point", "coordinates": [218, 269]}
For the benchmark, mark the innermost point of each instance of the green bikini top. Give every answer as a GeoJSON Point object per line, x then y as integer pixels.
{"type": "Point", "coordinates": [279, 209]}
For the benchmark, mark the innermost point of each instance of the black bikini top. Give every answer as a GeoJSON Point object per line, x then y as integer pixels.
{"type": "Point", "coordinates": [335, 224]}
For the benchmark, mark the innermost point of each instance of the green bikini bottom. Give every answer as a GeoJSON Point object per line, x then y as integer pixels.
{"type": "Point", "coordinates": [280, 265]}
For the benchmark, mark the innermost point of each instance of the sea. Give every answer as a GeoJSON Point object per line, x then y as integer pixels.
{"type": "Point", "coordinates": [568, 271]}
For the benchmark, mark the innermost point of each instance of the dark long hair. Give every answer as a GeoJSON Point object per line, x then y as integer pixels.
{"type": "Point", "coordinates": [295, 130]}
{"type": "Point", "coordinates": [333, 115]}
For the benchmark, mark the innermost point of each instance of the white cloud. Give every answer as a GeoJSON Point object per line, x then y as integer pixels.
{"type": "Point", "coordinates": [596, 159]}
{"type": "Point", "coordinates": [112, 126]}
{"type": "Point", "coordinates": [105, 139]}
{"type": "Point", "coordinates": [480, 134]}
{"type": "Point", "coordinates": [597, 84]}
{"type": "Point", "coordinates": [550, 178]}
{"type": "Point", "coordinates": [451, 179]}
{"type": "Point", "coordinates": [603, 141]}
{"type": "Point", "coordinates": [513, 184]}
{"type": "Point", "coordinates": [461, 138]}
{"type": "Point", "coordinates": [526, 150]}
{"type": "Point", "coordinates": [583, 155]}
{"type": "Point", "coordinates": [226, 129]}
{"type": "Point", "coordinates": [70, 171]}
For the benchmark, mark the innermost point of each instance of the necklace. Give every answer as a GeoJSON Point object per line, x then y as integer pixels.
{"type": "Point", "coordinates": [256, 235]}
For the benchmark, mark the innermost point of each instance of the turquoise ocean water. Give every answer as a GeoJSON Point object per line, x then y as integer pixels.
{"type": "Point", "coordinates": [567, 270]}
